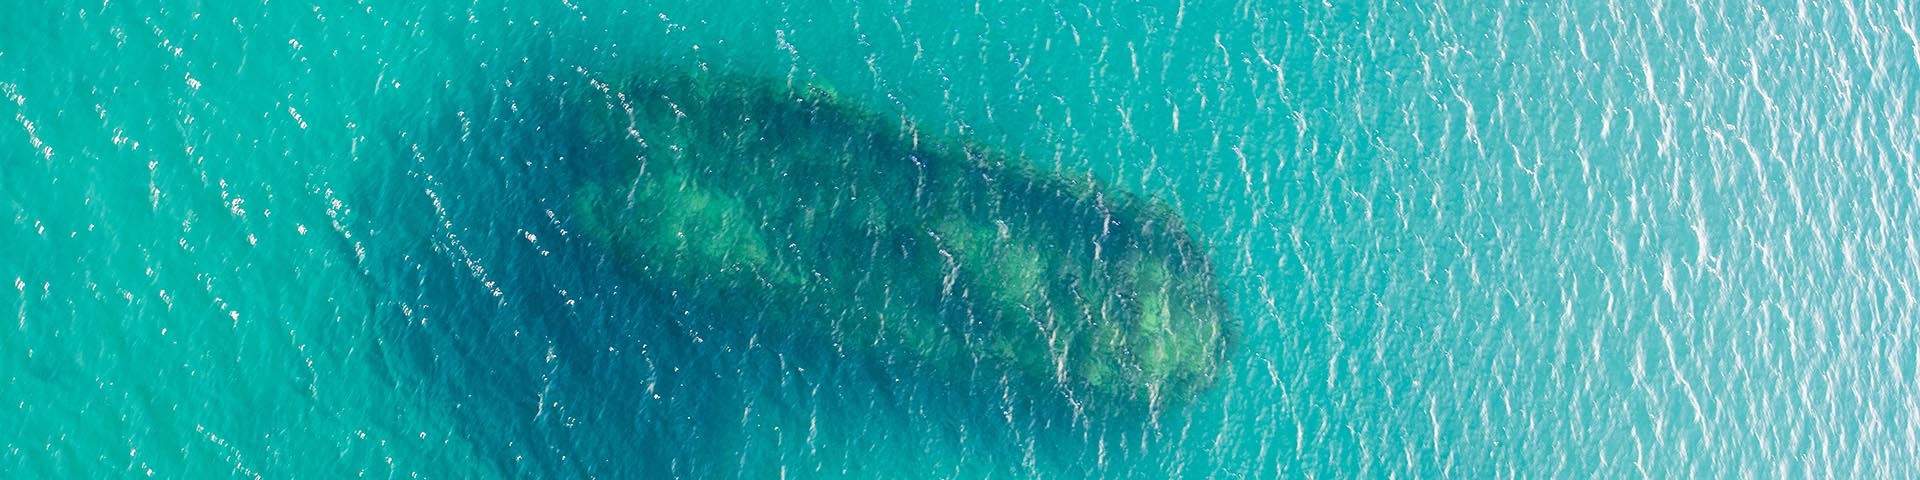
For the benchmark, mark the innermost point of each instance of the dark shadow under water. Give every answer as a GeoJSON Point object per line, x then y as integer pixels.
{"type": "Point", "coordinates": [554, 362]}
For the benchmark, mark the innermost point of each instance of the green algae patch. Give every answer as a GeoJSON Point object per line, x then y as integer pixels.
{"type": "Point", "coordinates": [834, 223]}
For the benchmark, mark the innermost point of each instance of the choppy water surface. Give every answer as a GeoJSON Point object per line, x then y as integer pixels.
{"type": "Point", "coordinates": [1457, 239]}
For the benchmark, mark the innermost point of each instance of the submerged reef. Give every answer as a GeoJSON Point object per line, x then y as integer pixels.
{"type": "Point", "coordinates": [833, 223]}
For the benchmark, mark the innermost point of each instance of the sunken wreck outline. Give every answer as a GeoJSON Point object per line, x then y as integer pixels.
{"type": "Point", "coordinates": [831, 221]}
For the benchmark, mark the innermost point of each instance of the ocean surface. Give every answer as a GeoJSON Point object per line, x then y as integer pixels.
{"type": "Point", "coordinates": [1554, 239]}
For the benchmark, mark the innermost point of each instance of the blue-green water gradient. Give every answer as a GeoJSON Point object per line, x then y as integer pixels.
{"type": "Point", "coordinates": [1463, 239]}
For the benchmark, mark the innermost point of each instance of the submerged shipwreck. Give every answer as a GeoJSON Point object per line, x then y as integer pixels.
{"type": "Point", "coordinates": [823, 220]}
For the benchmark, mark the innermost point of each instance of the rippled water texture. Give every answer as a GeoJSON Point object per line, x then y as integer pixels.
{"type": "Point", "coordinates": [1456, 239]}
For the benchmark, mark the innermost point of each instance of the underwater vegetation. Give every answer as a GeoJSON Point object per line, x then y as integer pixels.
{"type": "Point", "coordinates": [826, 221]}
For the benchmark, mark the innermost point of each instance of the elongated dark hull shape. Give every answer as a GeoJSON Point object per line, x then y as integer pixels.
{"type": "Point", "coordinates": [832, 222]}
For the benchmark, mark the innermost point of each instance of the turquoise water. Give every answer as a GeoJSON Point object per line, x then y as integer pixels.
{"type": "Point", "coordinates": [1533, 239]}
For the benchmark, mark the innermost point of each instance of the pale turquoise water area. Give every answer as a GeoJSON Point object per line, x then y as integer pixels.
{"type": "Point", "coordinates": [1461, 239]}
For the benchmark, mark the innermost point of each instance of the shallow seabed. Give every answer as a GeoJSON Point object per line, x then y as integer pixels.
{"type": "Point", "coordinates": [1534, 239]}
